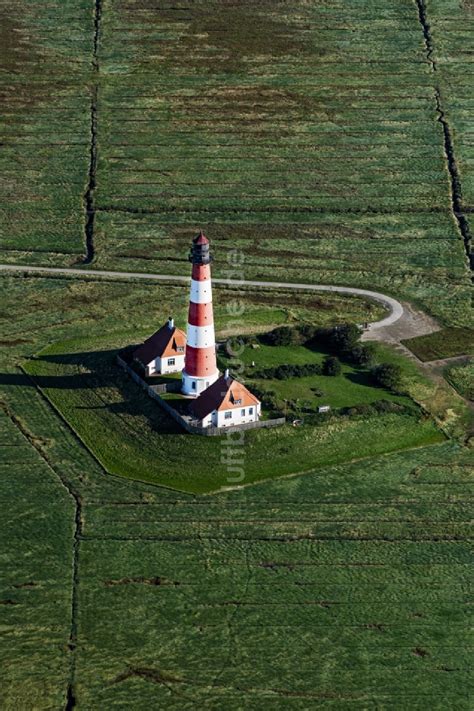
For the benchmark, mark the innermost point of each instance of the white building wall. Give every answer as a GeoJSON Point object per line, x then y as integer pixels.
{"type": "Point", "coordinates": [240, 415]}
{"type": "Point", "coordinates": [160, 365]}
{"type": "Point", "coordinates": [176, 368]}
{"type": "Point", "coordinates": [208, 420]}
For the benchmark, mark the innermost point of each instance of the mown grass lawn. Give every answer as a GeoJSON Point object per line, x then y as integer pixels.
{"type": "Point", "coordinates": [352, 387]}
{"type": "Point", "coordinates": [265, 356]}
{"type": "Point", "coordinates": [132, 437]}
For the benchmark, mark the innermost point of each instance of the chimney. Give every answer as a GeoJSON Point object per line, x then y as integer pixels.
{"type": "Point", "coordinates": [227, 374]}
{"type": "Point", "coordinates": [171, 323]}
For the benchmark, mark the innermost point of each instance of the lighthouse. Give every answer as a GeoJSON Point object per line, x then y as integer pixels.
{"type": "Point", "coordinates": [200, 367]}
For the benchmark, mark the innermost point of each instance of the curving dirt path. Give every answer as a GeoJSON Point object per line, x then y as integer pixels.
{"type": "Point", "coordinates": [402, 321]}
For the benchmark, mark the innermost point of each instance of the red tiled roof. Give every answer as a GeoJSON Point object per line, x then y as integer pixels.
{"type": "Point", "coordinates": [224, 394]}
{"type": "Point", "coordinates": [165, 342]}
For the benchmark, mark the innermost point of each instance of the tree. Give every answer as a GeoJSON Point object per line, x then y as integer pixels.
{"type": "Point", "coordinates": [282, 336]}
{"type": "Point", "coordinates": [362, 354]}
{"type": "Point", "coordinates": [345, 337]}
{"type": "Point", "coordinates": [306, 332]}
{"type": "Point", "coordinates": [331, 366]}
{"type": "Point", "coordinates": [387, 375]}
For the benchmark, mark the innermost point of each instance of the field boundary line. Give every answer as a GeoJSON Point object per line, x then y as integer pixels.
{"type": "Point", "coordinates": [76, 537]}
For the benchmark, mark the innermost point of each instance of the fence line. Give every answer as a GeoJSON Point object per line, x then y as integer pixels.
{"type": "Point", "coordinates": [186, 421]}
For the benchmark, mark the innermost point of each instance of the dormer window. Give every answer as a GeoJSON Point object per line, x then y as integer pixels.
{"type": "Point", "coordinates": [180, 349]}
{"type": "Point", "coordinates": [238, 402]}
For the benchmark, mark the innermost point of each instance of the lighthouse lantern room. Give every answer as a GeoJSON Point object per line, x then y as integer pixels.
{"type": "Point", "coordinates": [200, 366]}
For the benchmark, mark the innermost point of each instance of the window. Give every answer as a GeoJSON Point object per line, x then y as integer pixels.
{"type": "Point", "coordinates": [238, 402]}
{"type": "Point", "coordinates": [180, 349]}
{"type": "Point", "coordinates": [242, 412]}
{"type": "Point", "coordinates": [193, 385]}
{"type": "Point", "coordinates": [228, 415]}
{"type": "Point", "coordinates": [250, 410]}
{"type": "Point", "coordinates": [171, 361]}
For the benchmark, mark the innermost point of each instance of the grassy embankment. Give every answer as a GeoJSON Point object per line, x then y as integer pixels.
{"type": "Point", "coordinates": [131, 436]}
{"type": "Point", "coordinates": [461, 378]}
{"type": "Point", "coordinates": [447, 343]}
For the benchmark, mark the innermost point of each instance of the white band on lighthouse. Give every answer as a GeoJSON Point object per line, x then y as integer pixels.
{"type": "Point", "coordinates": [201, 291]}
{"type": "Point", "coordinates": [201, 336]}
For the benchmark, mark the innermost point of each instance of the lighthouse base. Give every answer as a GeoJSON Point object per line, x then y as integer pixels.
{"type": "Point", "coordinates": [194, 386]}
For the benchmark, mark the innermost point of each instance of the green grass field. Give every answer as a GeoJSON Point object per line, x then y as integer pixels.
{"type": "Point", "coordinates": [447, 343]}
{"type": "Point", "coordinates": [131, 436]}
{"type": "Point", "coordinates": [313, 143]}
{"type": "Point", "coordinates": [133, 593]}
{"type": "Point", "coordinates": [352, 387]}
{"type": "Point", "coordinates": [461, 377]}
{"type": "Point", "coordinates": [327, 142]}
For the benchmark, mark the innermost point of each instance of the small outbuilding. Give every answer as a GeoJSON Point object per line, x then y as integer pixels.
{"type": "Point", "coordinates": [164, 351]}
{"type": "Point", "coordinates": [226, 403]}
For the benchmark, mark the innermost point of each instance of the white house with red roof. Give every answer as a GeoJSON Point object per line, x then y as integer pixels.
{"type": "Point", "coordinates": [226, 403]}
{"type": "Point", "coordinates": [164, 351]}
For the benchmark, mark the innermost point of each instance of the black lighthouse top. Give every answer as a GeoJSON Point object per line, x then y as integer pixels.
{"type": "Point", "coordinates": [199, 253]}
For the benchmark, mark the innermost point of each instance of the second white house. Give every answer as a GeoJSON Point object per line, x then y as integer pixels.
{"type": "Point", "coordinates": [226, 403]}
{"type": "Point", "coordinates": [164, 351]}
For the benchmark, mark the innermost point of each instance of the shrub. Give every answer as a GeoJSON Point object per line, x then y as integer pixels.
{"type": "Point", "coordinates": [282, 372]}
{"type": "Point", "coordinates": [362, 354]}
{"type": "Point", "coordinates": [331, 366]}
{"type": "Point", "coordinates": [268, 399]}
{"type": "Point", "coordinates": [345, 337]}
{"type": "Point", "coordinates": [282, 336]}
{"type": "Point", "coordinates": [287, 371]}
{"type": "Point", "coordinates": [377, 407]}
{"type": "Point", "coordinates": [307, 332]}
{"type": "Point", "coordinates": [387, 406]}
{"type": "Point", "coordinates": [387, 375]}
{"type": "Point", "coordinates": [339, 340]}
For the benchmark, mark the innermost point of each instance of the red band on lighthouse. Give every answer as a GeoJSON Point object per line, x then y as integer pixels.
{"type": "Point", "coordinates": [200, 314]}
{"type": "Point", "coordinates": [200, 362]}
{"type": "Point", "coordinates": [201, 272]}
{"type": "Point", "coordinates": [200, 367]}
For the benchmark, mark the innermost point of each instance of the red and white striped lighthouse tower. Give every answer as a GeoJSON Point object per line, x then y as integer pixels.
{"type": "Point", "coordinates": [200, 367]}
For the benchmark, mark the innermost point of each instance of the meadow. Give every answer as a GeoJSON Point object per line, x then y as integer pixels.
{"type": "Point", "coordinates": [315, 144]}
{"type": "Point", "coordinates": [328, 142]}
{"type": "Point", "coordinates": [461, 377]}
{"type": "Point", "coordinates": [123, 592]}
{"type": "Point", "coordinates": [315, 152]}
{"type": "Point", "coordinates": [131, 436]}
{"type": "Point", "coordinates": [446, 343]}
{"type": "Point", "coordinates": [352, 387]}
{"type": "Point", "coordinates": [45, 79]}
